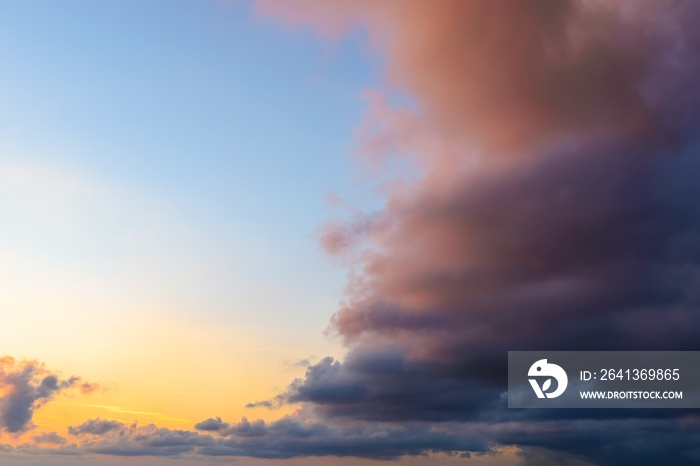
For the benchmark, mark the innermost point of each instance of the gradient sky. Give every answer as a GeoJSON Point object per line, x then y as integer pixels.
{"type": "Point", "coordinates": [164, 170]}
{"type": "Point", "coordinates": [164, 167]}
{"type": "Point", "coordinates": [307, 233]}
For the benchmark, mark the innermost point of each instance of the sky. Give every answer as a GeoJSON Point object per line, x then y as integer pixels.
{"type": "Point", "coordinates": [307, 233]}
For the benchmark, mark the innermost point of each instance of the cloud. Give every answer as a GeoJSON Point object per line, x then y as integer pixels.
{"type": "Point", "coordinates": [49, 437]}
{"type": "Point", "coordinates": [211, 425]}
{"type": "Point", "coordinates": [276, 402]}
{"type": "Point", "coordinates": [556, 209]}
{"type": "Point", "coordinates": [86, 387]}
{"type": "Point", "coordinates": [95, 427]}
{"type": "Point", "coordinates": [24, 387]}
{"type": "Point", "coordinates": [305, 434]}
{"type": "Point", "coordinates": [385, 386]}
{"type": "Point", "coordinates": [246, 428]}
{"type": "Point", "coordinates": [99, 436]}
{"type": "Point", "coordinates": [292, 436]}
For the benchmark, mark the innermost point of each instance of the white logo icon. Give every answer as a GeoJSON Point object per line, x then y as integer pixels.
{"type": "Point", "coordinates": [542, 368]}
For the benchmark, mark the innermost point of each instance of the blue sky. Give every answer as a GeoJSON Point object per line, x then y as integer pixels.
{"type": "Point", "coordinates": [164, 168]}
{"type": "Point", "coordinates": [218, 121]}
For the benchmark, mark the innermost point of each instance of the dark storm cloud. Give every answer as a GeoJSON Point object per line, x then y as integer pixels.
{"type": "Point", "coordinates": [612, 442]}
{"type": "Point", "coordinates": [558, 210]}
{"type": "Point", "coordinates": [384, 386]}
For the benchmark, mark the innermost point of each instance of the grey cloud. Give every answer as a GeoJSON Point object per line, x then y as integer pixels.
{"type": "Point", "coordinates": [26, 385]}
{"type": "Point", "coordinates": [212, 425]}
{"type": "Point", "coordinates": [49, 437]}
{"type": "Point", "coordinates": [96, 427]}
